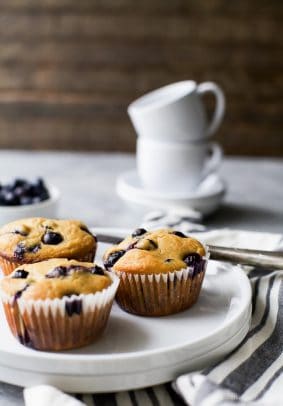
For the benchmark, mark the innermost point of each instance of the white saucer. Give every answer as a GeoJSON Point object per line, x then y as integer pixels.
{"type": "Point", "coordinates": [205, 199]}
{"type": "Point", "coordinates": [136, 351]}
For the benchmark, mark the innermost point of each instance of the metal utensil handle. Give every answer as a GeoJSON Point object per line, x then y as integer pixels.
{"type": "Point", "coordinates": [260, 259]}
{"type": "Point", "coordinates": [108, 239]}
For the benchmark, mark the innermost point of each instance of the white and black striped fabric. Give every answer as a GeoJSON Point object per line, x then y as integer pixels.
{"type": "Point", "coordinates": [162, 395]}
{"type": "Point", "coordinates": [253, 373]}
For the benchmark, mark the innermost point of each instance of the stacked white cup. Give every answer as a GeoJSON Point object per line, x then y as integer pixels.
{"type": "Point", "coordinates": [174, 154]}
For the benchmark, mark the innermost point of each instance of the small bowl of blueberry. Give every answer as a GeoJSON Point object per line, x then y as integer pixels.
{"type": "Point", "coordinates": [22, 198]}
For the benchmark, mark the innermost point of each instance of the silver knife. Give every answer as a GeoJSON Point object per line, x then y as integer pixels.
{"type": "Point", "coordinates": [257, 258]}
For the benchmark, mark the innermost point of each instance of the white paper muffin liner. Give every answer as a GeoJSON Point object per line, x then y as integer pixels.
{"type": "Point", "coordinates": [60, 324]}
{"type": "Point", "coordinates": [7, 266]}
{"type": "Point", "coordinates": [160, 294]}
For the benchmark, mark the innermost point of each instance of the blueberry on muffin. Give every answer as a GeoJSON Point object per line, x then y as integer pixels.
{"type": "Point", "coordinates": [161, 272]}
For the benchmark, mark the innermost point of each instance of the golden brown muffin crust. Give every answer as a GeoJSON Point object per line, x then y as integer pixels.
{"type": "Point", "coordinates": [26, 241]}
{"type": "Point", "coordinates": [158, 251]}
{"type": "Point", "coordinates": [43, 280]}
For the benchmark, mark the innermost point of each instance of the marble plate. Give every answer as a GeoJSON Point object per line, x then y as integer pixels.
{"type": "Point", "coordinates": [136, 351]}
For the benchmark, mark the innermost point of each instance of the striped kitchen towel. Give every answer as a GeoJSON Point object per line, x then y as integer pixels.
{"type": "Point", "coordinates": [253, 373]}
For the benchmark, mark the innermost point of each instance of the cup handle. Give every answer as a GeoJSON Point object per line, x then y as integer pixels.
{"type": "Point", "coordinates": [214, 161]}
{"type": "Point", "coordinates": [207, 87]}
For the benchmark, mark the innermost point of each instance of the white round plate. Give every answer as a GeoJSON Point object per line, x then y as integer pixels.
{"type": "Point", "coordinates": [135, 351]}
{"type": "Point", "coordinates": [205, 199]}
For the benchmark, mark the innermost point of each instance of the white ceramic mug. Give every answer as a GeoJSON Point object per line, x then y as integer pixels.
{"type": "Point", "coordinates": [176, 112]}
{"type": "Point", "coordinates": [174, 169]}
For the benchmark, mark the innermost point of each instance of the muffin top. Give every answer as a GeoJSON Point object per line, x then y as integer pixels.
{"type": "Point", "coordinates": [159, 251]}
{"type": "Point", "coordinates": [54, 278]}
{"type": "Point", "coordinates": [36, 239]}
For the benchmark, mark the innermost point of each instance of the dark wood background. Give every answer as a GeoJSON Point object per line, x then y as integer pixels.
{"type": "Point", "coordinates": [69, 68]}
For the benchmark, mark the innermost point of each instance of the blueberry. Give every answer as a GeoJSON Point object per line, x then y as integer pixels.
{"type": "Point", "coordinates": [77, 268]}
{"type": "Point", "coordinates": [39, 182]}
{"type": "Point", "coordinates": [18, 183]}
{"type": "Point", "coordinates": [62, 271]}
{"type": "Point", "coordinates": [97, 270]}
{"type": "Point", "coordinates": [73, 307]}
{"type": "Point", "coordinates": [179, 234]}
{"type": "Point", "coordinates": [20, 274]}
{"type": "Point", "coordinates": [25, 200]}
{"type": "Point", "coordinates": [153, 244]}
{"type": "Point", "coordinates": [27, 190]}
{"type": "Point", "coordinates": [21, 232]}
{"type": "Point", "coordinates": [34, 248]}
{"type": "Point", "coordinates": [20, 251]}
{"type": "Point", "coordinates": [132, 245]}
{"type": "Point", "coordinates": [39, 190]}
{"type": "Point", "coordinates": [59, 271]}
{"type": "Point", "coordinates": [192, 259]}
{"type": "Point", "coordinates": [19, 191]}
{"type": "Point", "coordinates": [2, 200]}
{"type": "Point", "coordinates": [11, 199]}
{"type": "Point", "coordinates": [19, 293]}
{"type": "Point", "coordinates": [138, 232]}
{"type": "Point", "coordinates": [52, 238]}
{"type": "Point", "coordinates": [113, 258]}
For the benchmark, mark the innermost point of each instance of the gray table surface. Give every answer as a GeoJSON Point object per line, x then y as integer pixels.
{"type": "Point", "coordinates": [87, 182]}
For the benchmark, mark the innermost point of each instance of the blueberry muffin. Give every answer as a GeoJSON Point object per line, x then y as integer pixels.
{"type": "Point", "coordinates": [37, 239]}
{"type": "Point", "coordinates": [161, 272]}
{"type": "Point", "coordinates": [58, 304]}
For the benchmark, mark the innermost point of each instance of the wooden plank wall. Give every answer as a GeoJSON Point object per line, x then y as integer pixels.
{"type": "Point", "coordinates": [69, 68]}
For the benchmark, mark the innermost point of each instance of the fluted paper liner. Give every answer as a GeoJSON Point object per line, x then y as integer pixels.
{"type": "Point", "coordinates": [160, 294]}
{"type": "Point", "coordinates": [46, 324]}
{"type": "Point", "coordinates": [8, 266]}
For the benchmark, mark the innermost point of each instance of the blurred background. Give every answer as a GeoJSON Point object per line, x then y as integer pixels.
{"type": "Point", "coordinates": [69, 68]}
